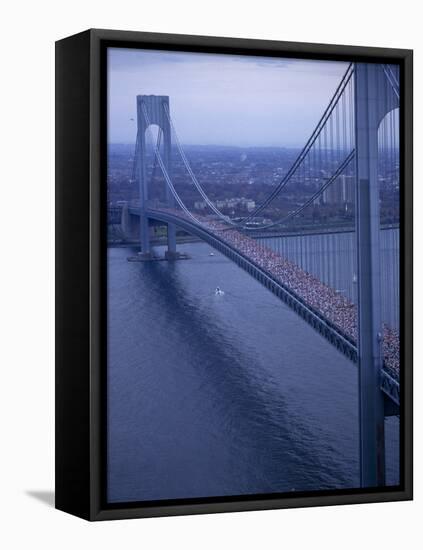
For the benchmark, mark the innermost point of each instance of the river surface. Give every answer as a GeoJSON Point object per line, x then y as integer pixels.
{"type": "Point", "coordinates": [222, 395]}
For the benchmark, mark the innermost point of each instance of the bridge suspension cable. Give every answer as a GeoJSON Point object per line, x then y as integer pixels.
{"type": "Point", "coordinates": [389, 185]}
{"type": "Point", "coordinates": [300, 161]}
{"type": "Point", "coordinates": [154, 168]}
{"type": "Point", "coordinates": [315, 196]}
{"type": "Point", "coordinates": [392, 79]}
{"type": "Point", "coordinates": [346, 79]}
{"type": "Point", "coordinates": [166, 174]}
{"type": "Point", "coordinates": [135, 164]}
{"type": "Point", "coordinates": [191, 173]}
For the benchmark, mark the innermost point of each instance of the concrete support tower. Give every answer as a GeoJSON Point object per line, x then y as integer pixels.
{"type": "Point", "coordinates": [373, 100]}
{"type": "Point", "coordinates": [155, 106]}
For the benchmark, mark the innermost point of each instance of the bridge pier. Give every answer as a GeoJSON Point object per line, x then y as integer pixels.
{"type": "Point", "coordinates": [130, 225]}
{"type": "Point", "coordinates": [145, 236]}
{"type": "Point", "coordinates": [171, 238]}
{"type": "Point", "coordinates": [171, 253]}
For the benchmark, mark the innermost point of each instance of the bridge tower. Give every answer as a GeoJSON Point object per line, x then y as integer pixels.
{"type": "Point", "coordinates": [373, 101]}
{"type": "Point", "coordinates": [155, 106]}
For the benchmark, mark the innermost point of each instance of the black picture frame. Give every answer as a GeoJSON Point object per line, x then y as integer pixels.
{"type": "Point", "coordinates": [80, 272]}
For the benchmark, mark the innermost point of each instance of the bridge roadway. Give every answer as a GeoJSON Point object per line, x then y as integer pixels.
{"type": "Point", "coordinates": [327, 311]}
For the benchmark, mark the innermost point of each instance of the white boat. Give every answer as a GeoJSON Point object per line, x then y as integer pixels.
{"type": "Point", "coordinates": [219, 291]}
{"type": "Point", "coordinates": [211, 254]}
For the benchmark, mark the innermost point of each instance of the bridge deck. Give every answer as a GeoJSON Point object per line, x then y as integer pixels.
{"type": "Point", "coordinates": [334, 310]}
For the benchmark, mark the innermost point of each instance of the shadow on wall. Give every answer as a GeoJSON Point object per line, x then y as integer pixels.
{"type": "Point", "coordinates": [46, 497]}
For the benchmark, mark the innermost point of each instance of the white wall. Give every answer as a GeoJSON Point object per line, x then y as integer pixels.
{"type": "Point", "coordinates": [28, 32]}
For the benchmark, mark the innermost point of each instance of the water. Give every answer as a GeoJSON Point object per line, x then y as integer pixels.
{"type": "Point", "coordinates": [222, 395]}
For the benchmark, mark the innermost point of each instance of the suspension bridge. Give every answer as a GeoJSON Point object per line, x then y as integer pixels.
{"type": "Point", "coordinates": [353, 143]}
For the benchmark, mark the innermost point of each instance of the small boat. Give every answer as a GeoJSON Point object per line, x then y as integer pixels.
{"type": "Point", "coordinates": [211, 254]}
{"type": "Point", "coordinates": [219, 291]}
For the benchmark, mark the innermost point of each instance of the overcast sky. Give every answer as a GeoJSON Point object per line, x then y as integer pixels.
{"type": "Point", "coordinates": [222, 99]}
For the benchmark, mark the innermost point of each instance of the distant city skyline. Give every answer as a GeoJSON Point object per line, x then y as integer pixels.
{"type": "Point", "coordinates": [220, 99]}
